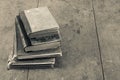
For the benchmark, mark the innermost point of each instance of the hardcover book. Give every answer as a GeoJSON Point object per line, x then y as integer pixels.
{"type": "Point", "coordinates": [40, 26]}
{"type": "Point", "coordinates": [38, 44]}
{"type": "Point", "coordinates": [35, 63]}
{"type": "Point", "coordinates": [13, 62]}
{"type": "Point", "coordinates": [21, 54]}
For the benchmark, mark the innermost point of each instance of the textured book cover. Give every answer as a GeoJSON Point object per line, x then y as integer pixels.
{"type": "Point", "coordinates": [38, 44]}
{"type": "Point", "coordinates": [36, 63]}
{"type": "Point", "coordinates": [38, 21]}
{"type": "Point", "coordinates": [21, 54]}
{"type": "Point", "coordinates": [14, 62]}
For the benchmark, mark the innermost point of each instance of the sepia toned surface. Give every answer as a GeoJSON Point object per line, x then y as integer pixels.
{"type": "Point", "coordinates": [90, 39]}
{"type": "Point", "coordinates": [107, 13]}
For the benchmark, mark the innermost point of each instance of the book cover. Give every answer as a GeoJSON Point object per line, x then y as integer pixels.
{"type": "Point", "coordinates": [21, 54]}
{"type": "Point", "coordinates": [38, 21]}
{"type": "Point", "coordinates": [33, 44]}
{"type": "Point", "coordinates": [36, 63]}
{"type": "Point", "coordinates": [13, 62]}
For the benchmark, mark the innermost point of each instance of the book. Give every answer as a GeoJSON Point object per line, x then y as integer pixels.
{"type": "Point", "coordinates": [20, 54]}
{"type": "Point", "coordinates": [13, 62]}
{"type": "Point", "coordinates": [27, 43]}
{"type": "Point", "coordinates": [39, 22]}
{"type": "Point", "coordinates": [35, 63]}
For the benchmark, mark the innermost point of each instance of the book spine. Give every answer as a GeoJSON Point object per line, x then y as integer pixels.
{"type": "Point", "coordinates": [41, 56]}
{"type": "Point", "coordinates": [45, 46]}
{"type": "Point", "coordinates": [32, 64]}
{"type": "Point", "coordinates": [39, 66]}
{"type": "Point", "coordinates": [25, 22]}
{"type": "Point", "coordinates": [25, 40]}
{"type": "Point", "coordinates": [9, 65]}
{"type": "Point", "coordinates": [43, 33]}
{"type": "Point", "coordinates": [11, 55]}
{"type": "Point", "coordinates": [15, 40]}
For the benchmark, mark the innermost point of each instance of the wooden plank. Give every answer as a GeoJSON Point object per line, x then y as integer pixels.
{"type": "Point", "coordinates": [7, 14]}
{"type": "Point", "coordinates": [107, 15]}
{"type": "Point", "coordinates": [80, 59]}
{"type": "Point", "coordinates": [8, 11]}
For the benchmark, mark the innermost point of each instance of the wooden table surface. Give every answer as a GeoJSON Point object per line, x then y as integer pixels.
{"type": "Point", "coordinates": [90, 32]}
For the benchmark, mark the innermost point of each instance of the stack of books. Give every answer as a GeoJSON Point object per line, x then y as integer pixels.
{"type": "Point", "coordinates": [36, 41]}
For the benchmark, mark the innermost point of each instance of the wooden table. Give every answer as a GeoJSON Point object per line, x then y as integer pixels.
{"type": "Point", "coordinates": [90, 32]}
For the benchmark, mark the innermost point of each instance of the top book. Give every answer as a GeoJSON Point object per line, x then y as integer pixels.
{"type": "Point", "coordinates": [38, 21]}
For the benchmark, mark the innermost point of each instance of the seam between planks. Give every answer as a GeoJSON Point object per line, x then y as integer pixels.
{"type": "Point", "coordinates": [37, 3]}
{"type": "Point", "coordinates": [28, 74]}
{"type": "Point", "coordinates": [98, 40]}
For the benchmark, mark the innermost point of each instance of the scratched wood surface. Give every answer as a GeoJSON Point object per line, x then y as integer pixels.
{"type": "Point", "coordinates": [8, 10]}
{"type": "Point", "coordinates": [80, 59]}
{"type": "Point", "coordinates": [107, 14]}
{"type": "Point", "coordinates": [90, 39]}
